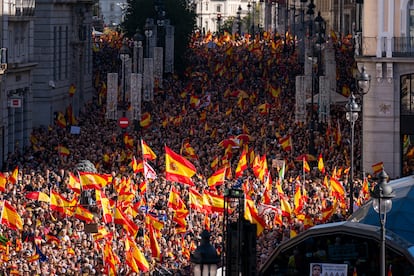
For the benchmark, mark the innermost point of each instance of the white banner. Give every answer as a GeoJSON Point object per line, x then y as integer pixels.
{"type": "Point", "coordinates": [112, 96]}
{"type": "Point", "coordinates": [322, 269]}
{"type": "Point", "coordinates": [158, 63]}
{"type": "Point", "coordinates": [300, 97]}
{"type": "Point", "coordinates": [148, 80]}
{"type": "Point", "coordinates": [169, 49]}
{"type": "Point", "coordinates": [136, 88]}
{"type": "Point", "coordinates": [324, 98]}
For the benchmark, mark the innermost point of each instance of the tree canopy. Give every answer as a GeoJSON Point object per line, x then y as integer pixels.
{"type": "Point", "coordinates": [177, 11]}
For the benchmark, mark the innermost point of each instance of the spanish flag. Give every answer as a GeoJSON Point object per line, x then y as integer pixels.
{"type": "Point", "coordinates": [306, 167]}
{"type": "Point", "coordinates": [91, 181]}
{"type": "Point", "coordinates": [251, 214]}
{"type": "Point", "coordinates": [217, 178]}
{"type": "Point", "coordinates": [74, 183]}
{"type": "Point", "coordinates": [3, 182]}
{"type": "Point", "coordinates": [61, 120]}
{"type": "Point", "coordinates": [378, 167]}
{"type": "Point", "coordinates": [10, 217]}
{"type": "Point", "coordinates": [286, 143]}
{"type": "Point", "coordinates": [63, 151]}
{"type": "Point", "coordinates": [83, 214]}
{"type": "Point", "coordinates": [14, 176]}
{"type": "Point", "coordinates": [242, 165]}
{"type": "Point", "coordinates": [177, 168]}
{"type": "Point", "coordinates": [321, 165]}
{"type": "Point", "coordinates": [147, 152]}
{"type": "Point", "coordinates": [145, 120]}
{"type": "Point", "coordinates": [264, 109]}
{"type": "Point", "coordinates": [72, 89]}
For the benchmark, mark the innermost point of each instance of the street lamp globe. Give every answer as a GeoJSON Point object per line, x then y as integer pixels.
{"type": "Point", "coordinates": [382, 195]}
{"type": "Point", "coordinates": [138, 38]}
{"type": "Point", "coordinates": [363, 81]}
{"type": "Point", "coordinates": [204, 259]}
{"type": "Point", "coordinates": [352, 109]}
{"type": "Point", "coordinates": [382, 204]}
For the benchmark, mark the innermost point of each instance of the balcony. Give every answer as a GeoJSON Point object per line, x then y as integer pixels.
{"type": "Point", "coordinates": [403, 47]}
{"type": "Point", "coordinates": [22, 8]}
{"type": "Point", "coordinates": [396, 46]}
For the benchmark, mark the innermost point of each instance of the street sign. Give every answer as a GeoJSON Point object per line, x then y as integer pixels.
{"type": "Point", "coordinates": [123, 122]}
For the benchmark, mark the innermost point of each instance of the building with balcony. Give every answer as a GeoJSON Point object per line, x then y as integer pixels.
{"type": "Point", "coordinates": [386, 51]}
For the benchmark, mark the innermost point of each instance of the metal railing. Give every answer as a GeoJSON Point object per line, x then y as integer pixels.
{"type": "Point", "coordinates": [403, 47]}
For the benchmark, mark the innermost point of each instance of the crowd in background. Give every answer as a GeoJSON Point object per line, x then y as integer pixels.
{"type": "Point", "coordinates": [232, 87]}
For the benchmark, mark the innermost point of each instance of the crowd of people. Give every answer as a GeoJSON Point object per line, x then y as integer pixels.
{"type": "Point", "coordinates": [242, 88]}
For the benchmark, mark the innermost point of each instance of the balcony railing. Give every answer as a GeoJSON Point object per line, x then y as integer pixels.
{"type": "Point", "coordinates": [399, 46]}
{"type": "Point", "coordinates": [22, 8]}
{"type": "Point", "coordinates": [403, 47]}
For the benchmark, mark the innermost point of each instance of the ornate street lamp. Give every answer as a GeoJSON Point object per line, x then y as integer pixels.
{"type": "Point", "coordinates": [205, 258]}
{"type": "Point", "coordinates": [382, 204]}
{"type": "Point", "coordinates": [249, 6]}
{"type": "Point", "coordinates": [124, 54]}
{"type": "Point", "coordinates": [148, 35]}
{"type": "Point", "coordinates": [352, 110]}
{"type": "Point", "coordinates": [239, 20]}
{"type": "Point", "coordinates": [218, 22]}
{"type": "Point", "coordinates": [138, 39]}
{"type": "Point", "coordinates": [363, 81]}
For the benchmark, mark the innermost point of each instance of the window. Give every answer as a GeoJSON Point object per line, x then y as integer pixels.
{"type": "Point", "coordinates": [407, 94]}
{"type": "Point", "coordinates": [218, 8]}
{"type": "Point", "coordinates": [112, 7]}
{"type": "Point", "coordinates": [206, 6]}
{"type": "Point", "coordinates": [407, 154]}
{"type": "Point", "coordinates": [410, 19]}
{"type": "Point", "coordinates": [407, 123]}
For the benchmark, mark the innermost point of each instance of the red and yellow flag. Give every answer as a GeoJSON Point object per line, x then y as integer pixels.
{"type": "Point", "coordinates": [321, 165]}
{"type": "Point", "coordinates": [14, 176]}
{"type": "Point", "coordinates": [378, 167]}
{"type": "Point", "coordinates": [286, 143]}
{"type": "Point", "coordinates": [96, 181]}
{"type": "Point", "coordinates": [147, 152]}
{"type": "Point", "coordinates": [74, 183]}
{"type": "Point", "coordinates": [195, 199]}
{"type": "Point", "coordinates": [10, 217]}
{"type": "Point", "coordinates": [145, 120]}
{"type": "Point", "coordinates": [83, 214]}
{"type": "Point", "coordinates": [178, 168]}
{"type": "Point", "coordinates": [306, 167]}
{"type": "Point", "coordinates": [242, 165]}
{"type": "Point", "coordinates": [251, 214]}
{"type": "Point", "coordinates": [217, 178]}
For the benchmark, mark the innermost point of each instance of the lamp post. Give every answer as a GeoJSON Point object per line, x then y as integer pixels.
{"type": "Point", "coordinates": [253, 13]}
{"type": "Point", "coordinates": [382, 204]}
{"type": "Point", "coordinates": [249, 6]}
{"type": "Point", "coordinates": [124, 55]}
{"type": "Point", "coordinates": [138, 38]}
{"type": "Point", "coordinates": [218, 23]}
{"type": "Point", "coordinates": [352, 109]}
{"type": "Point", "coordinates": [363, 84]}
{"type": "Point", "coordinates": [205, 257]}
{"type": "Point", "coordinates": [239, 20]}
{"type": "Point", "coordinates": [148, 35]}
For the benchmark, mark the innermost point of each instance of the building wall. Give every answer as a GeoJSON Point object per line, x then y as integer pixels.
{"type": "Point", "coordinates": [381, 107]}
{"type": "Point", "coordinates": [62, 47]}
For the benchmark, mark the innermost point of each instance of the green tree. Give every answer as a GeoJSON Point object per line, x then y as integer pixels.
{"type": "Point", "coordinates": [177, 11]}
